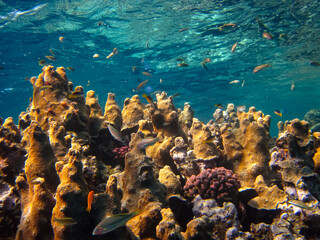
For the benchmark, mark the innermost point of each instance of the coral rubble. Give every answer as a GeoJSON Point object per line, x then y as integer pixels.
{"type": "Point", "coordinates": [225, 179]}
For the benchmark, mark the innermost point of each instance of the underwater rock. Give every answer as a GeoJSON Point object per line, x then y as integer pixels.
{"type": "Point", "coordinates": [202, 149]}
{"type": "Point", "coordinates": [37, 203]}
{"type": "Point", "coordinates": [70, 197]}
{"type": "Point", "coordinates": [139, 176]}
{"type": "Point", "coordinates": [167, 228]}
{"type": "Point", "coordinates": [170, 180]}
{"type": "Point", "coordinates": [312, 116]}
{"type": "Point", "coordinates": [197, 229]}
{"type": "Point", "coordinates": [41, 158]}
{"type": "Point", "coordinates": [261, 231]}
{"type": "Point", "coordinates": [186, 117]}
{"type": "Point", "coordinates": [219, 184]}
{"type": "Point", "coordinates": [268, 197]}
{"type": "Point", "coordinates": [112, 112]}
{"type": "Point", "coordinates": [132, 112]}
{"type": "Point", "coordinates": [92, 102]}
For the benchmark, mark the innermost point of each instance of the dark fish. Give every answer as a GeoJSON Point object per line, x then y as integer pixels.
{"type": "Point", "coordinates": [148, 98]}
{"type": "Point", "coordinates": [113, 222]}
{"type": "Point", "coordinates": [314, 63]}
{"type": "Point", "coordinates": [218, 105]}
{"type": "Point", "coordinates": [141, 85]}
{"type": "Point", "coordinates": [1, 67]}
{"type": "Point", "coordinates": [175, 95]}
{"type": "Point", "coordinates": [278, 112]}
{"type": "Point", "coordinates": [180, 59]}
{"type": "Point", "coordinates": [262, 27]}
{"type": "Point", "coordinates": [71, 69]}
{"type": "Point", "coordinates": [100, 23]}
{"type": "Point", "coordinates": [65, 221]}
{"type": "Point", "coordinates": [42, 62]}
{"type": "Point", "coordinates": [183, 65]}
{"type": "Point", "coordinates": [204, 66]}
{"type": "Point", "coordinates": [51, 58]}
{"type": "Point", "coordinates": [147, 44]}
{"type": "Point", "coordinates": [75, 95]}
{"type": "Point", "coordinates": [184, 29]}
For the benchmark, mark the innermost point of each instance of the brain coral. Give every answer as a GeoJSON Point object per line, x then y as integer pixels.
{"type": "Point", "coordinates": [219, 183]}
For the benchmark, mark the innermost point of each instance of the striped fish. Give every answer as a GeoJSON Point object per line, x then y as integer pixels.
{"type": "Point", "coordinates": [115, 133]}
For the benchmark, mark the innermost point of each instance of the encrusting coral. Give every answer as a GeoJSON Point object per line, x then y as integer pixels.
{"type": "Point", "coordinates": [185, 179]}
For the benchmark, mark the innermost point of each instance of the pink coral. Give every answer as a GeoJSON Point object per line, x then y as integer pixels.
{"type": "Point", "coordinates": [218, 183]}
{"type": "Point", "coordinates": [120, 152]}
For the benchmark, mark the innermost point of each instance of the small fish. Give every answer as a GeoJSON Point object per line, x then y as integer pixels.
{"type": "Point", "coordinates": [90, 199]}
{"type": "Point", "coordinates": [180, 59]}
{"type": "Point", "coordinates": [208, 140]}
{"type": "Point", "coordinates": [204, 66]}
{"type": "Point", "coordinates": [1, 67]}
{"type": "Point", "coordinates": [113, 222]}
{"type": "Point", "coordinates": [175, 95]}
{"type": "Point", "coordinates": [45, 87]}
{"type": "Point", "coordinates": [207, 60]}
{"type": "Point", "coordinates": [96, 55]}
{"type": "Point", "coordinates": [267, 35]}
{"type": "Point", "coordinates": [51, 51]}
{"type": "Point", "coordinates": [72, 134]}
{"type": "Point", "coordinates": [315, 128]}
{"type": "Point", "coordinates": [42, 62]}
{"type": "Point", "coordinates": [300, 204]}
{"type": "Point", "coordinates": [218, 105]}
{"type": "Point", "coordinates": [100, 24]}
{"type": "Point", "coordinates": [134, 68]}
{"type": "Point", "coordinates": [160, 80]}
{"type": "Point", "coordinates": [141, 85]}
{"type": "Point", "coordinates": [148, 98]}
{"type": "Point", "coordinates": [184, 29]}
{"type": "Point", "coordinates": [147, 142]}
{"type": "Point", "coordinates": [234, 47]}
{"type": "Point", "coordinates": [114, 52]}
{"type": "Point", "coordinates": [75, 95]}
{"type": "Point", "coordinates": [51, 58]}
{"type": "Point", "coordinates": [227, 25]}
{"type": "Point", "coordinates": [147, 44]}
{"type": "Point", "coordinates": [277, 112]}
{"type": "Point", "coordinates": [183, 65]}
{"type": "Point", "coordinates": [61, 39]}
{"type": "Point", "coordinates": [261, 67]}
{"type": "Point", "coordinates": [88, 84]}
{"type": "Point", "coordinates": [65, 221]}
{"type": "Point", "coordinates": [115, 133]}
{"type": "Point", "coordinates": [314, 63]}
{"type": "Point", "coordinates": [234, 81]}
{"type": "Point", "coordinates": [261, 25]}
{"type": "Point", "coordinates": [70, 69]}
{"type": "Point", "coordinates": [241, 108]}
{"type": "Point", "coordinates": [155, 92]}
{"type": "Point", "coordinates": [243, 83]}
{"type": "Point", "coordinates": [146, 73]}
{"type": "Point", "coordinates": [292, 86]}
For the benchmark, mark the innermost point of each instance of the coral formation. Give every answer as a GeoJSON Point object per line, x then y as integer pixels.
{"type": "Point", "coordinates": [225, 179]}
{"type": "Point", "coordinates": [219, 183]}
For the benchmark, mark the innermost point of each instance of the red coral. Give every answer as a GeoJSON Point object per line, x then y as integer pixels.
{"type": "Point", "coordinates": [120, 152]}
{"type": "Point", "coordinates": [219, 183]}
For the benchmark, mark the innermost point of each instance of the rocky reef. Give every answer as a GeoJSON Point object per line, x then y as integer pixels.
{"type": "Point", "coordinates": [68, 164]}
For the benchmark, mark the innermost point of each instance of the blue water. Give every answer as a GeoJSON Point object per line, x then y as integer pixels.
{"type": "Point", "coordinates": [28, 29]}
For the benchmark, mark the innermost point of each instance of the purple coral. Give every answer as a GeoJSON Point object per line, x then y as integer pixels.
{"type": "Point", "coordinates": [120, 152]}
{"type": "Point", "coordinates": [218, 183]}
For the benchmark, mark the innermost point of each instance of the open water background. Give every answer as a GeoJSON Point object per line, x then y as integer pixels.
{"type": "Point", "coordinates": [28, 29]}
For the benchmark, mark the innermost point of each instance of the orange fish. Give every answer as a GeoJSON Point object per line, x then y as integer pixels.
{"type": "Point", "coordinates": [51, 58]}
{"type": "Point", "coordinates": [148, 98]}
{"type": "Point", "coordinates": [61, 39]}
{"type": "Point", "coordinates": [267, 35]}
{"type": "Point", "coordinates": [183, 29]}
{"type": "Point", "coordinates": [227, 25]}
{"type": "Point", "coordinates": [234, 47]}
{"type": "Point", "coordinates": [114, 52]}
{"type": "Point", "coordinates": [134, 68]}
{"type": "Point", "coordinates": [207, 60]}
{"type": "Point", "coordinates": [261, 67]}
{"type": "Point", "coordinates": [90, 199]}
{"type": "Point", "coordinates": [141, 85]}
{"type": "Point", "coordinates": [147, 74]}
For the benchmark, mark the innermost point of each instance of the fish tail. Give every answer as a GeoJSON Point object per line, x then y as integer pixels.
{"type": "Point", "coordinates": [88, 209]}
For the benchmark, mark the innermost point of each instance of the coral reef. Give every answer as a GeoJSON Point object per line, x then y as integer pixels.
{"type": "Point", "coordinates": [225, 179]}
{"type": "Point", "coordinates": [219, 183]}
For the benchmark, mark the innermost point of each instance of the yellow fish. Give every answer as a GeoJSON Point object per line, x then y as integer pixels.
{"type": "Point", "coordinates": [65, 221]}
